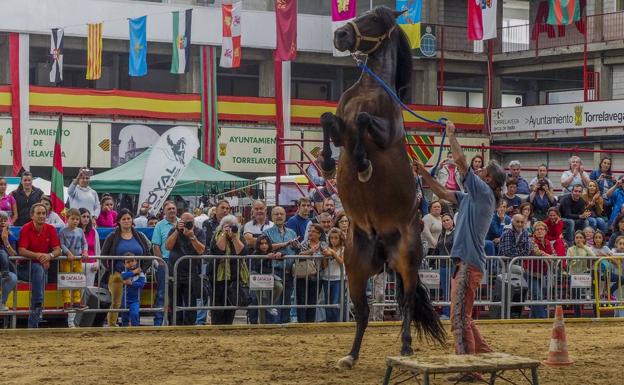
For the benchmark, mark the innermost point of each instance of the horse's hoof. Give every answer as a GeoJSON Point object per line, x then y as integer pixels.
{"type": "Point", "coordinates": [345, 363]}
{"type": "Point", "coordinates": [408, 351]}
{"type": "Point", "coordinates": [365, 175]}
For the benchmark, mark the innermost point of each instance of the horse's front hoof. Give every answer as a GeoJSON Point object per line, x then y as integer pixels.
{"type": "Point", "coordinates": [345, 363]}
{"type": "Point", "coordinates": [407, 351]}
{"type": "Point", "coordinates": [365, 175]}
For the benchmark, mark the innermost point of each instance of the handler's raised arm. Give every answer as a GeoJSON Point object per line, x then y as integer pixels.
{"type": "Point", "coordinates": [456, 150]}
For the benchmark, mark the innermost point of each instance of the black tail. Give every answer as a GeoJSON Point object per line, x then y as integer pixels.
{"type": "Point", "coordinates": [424, 316]}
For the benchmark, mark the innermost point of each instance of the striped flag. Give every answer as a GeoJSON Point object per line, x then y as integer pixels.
{"type": "Point", "coordinates": [210, 118]}
{"type": "Point", "coordinates": [94, 51]}
{"type": "Point", "coordinates": [409, 21]}
{"type": "Point", "coordinates": [482, 19]}
{"type": "Point", "coordinates": [563, 12]}
{"type": "Point", "coordinates": [419, 147]}
{"type": "Point", "coordinates": [343, 11]}
{"type": "Point", "coordinates": [181, 45]}
{"type": "Point", "coordinates": [19, 57]}
{"type": "Point", "coordinates": [56, 55]}
{"type": "Point", "coordinates": [56, 188]}
{"type": "Point", "coordinates": [231, 43]}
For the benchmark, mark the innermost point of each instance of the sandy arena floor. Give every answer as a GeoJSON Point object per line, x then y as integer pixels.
{"type": "Point", "coordinates": [291, 355]}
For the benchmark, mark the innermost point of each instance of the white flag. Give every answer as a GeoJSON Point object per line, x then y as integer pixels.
{"type": "Point", "coordinates": [489, 19]}
{"type": "Point", "coordinates": [167, 161]}
{"type": "Point", "coordinates": [56, 55]}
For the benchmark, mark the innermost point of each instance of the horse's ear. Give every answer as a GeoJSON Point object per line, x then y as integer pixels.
{"type": "Point", "coordinates": [398, 13]}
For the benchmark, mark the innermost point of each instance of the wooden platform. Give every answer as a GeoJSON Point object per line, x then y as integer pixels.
{"type": "Point", "coordinates": [494, 364]}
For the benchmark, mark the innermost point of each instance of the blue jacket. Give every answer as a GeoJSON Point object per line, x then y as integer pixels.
{"type": "Point", "coordinates": [496, 227]}
{"type": "Point", "coordinates": [132, 293]}
{"type": "Point", "coordinates": [298, 224]}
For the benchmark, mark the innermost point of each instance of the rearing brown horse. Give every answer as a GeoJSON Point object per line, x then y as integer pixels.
{"type": "Point", "coordinates": [375, 180]}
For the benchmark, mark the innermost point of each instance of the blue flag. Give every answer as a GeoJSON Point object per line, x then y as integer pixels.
{"type": "Point", "coordinates": [410, 20]}
{"type": "Point", "coordinates": [138, 47]}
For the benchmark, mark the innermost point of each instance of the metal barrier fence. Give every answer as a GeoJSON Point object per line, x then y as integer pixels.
{"type": "Point", "coordinates": [546, 281]}
{"type": "Point", "coordinates": [53, 299]}
{"type": "Point", "coordinates": [608, 283]}
{"type": "Point", "coordinates": [221, 287]}
{"type": "Point", "coordinates": [202, 283]}
{"type": "Point", "coordinates": [436, 273]}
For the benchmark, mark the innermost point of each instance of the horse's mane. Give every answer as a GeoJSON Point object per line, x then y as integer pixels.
{"type": "Point", "coordinates": [404, 53]}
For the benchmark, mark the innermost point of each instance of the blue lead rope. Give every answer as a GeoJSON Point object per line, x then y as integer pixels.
{"type": "Point", "coordinates": [440, 122]}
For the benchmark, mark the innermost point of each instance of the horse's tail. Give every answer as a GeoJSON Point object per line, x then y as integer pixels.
{"type": "Point", "coordinates": [423, 314]}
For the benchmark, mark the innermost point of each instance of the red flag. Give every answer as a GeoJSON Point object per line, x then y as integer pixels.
{"type": "Point", "coordinates": [286, 31]}
{"type": "Point", "coordinates": [475, 20]}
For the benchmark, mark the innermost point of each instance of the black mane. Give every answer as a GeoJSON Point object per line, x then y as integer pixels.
{"type": "Point", "coordinates": [404, 53]}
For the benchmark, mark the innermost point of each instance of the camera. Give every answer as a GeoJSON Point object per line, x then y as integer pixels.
{"type": "Point", "coordinates": [87, 172]}
{"type": "Point", "coordinates": [189, 225]}
{"type": "Point", "coordinates": [234, 228]}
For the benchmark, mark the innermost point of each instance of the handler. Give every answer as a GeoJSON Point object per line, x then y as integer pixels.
{"type": "Point", "coordinates": [476, 205]}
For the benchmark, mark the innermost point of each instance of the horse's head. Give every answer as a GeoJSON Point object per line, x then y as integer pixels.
{"type": "Point", "coordinates": [367, 31]}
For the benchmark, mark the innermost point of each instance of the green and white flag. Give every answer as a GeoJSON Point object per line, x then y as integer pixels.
{"type": "Point", "coordinates": [181, 44]}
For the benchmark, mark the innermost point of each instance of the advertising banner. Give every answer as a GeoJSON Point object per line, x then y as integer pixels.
{"type": "Point", "coordinates": [601, 114]}
{"type": "Point", "coordinates": [40, 146]}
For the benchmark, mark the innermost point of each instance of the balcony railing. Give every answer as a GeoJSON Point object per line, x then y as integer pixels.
{"type": "Point", "coordinates": [608, 27]}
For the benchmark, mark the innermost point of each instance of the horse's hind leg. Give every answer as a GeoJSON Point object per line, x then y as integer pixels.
{"type": "Point", "coordinates": [358, 262]}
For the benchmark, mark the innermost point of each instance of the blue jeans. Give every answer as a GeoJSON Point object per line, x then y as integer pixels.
{"type": "Point", "coordinates": [9, 281]}
{"type": "Point", "coordinates": [159, 301]}
{"type": "Point", "coordinates": [597, 223]}
{"type": "Point", "coordinates": [570, 226]}
{"type": "Point", "coordinates": [490, 249]}
{"type": "Point", "coordinates": [537, 293]}
{"type": "Point", "coordinates": [331, 290]}
{"type": "Point", "coordinates": [4, 261]}
{"type": "Point", "coordinates": [132, 315]}
{"type": "Point", "coordinates": [283, 313]}
{"type": "Point", "coordinates": [38, 277]}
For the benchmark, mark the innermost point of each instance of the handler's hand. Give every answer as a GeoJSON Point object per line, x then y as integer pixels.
{"type": "Point", "coordinates": [450, 128]}
{"type": "Point", "coordinates": [420, 167]}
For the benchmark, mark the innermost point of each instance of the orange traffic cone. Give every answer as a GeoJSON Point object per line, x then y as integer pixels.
{"type": "Point", "coordinates": [558, 351]}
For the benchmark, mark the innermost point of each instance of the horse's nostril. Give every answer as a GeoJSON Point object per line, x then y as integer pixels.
{"type": "Point", "coordinates": [341, 33]}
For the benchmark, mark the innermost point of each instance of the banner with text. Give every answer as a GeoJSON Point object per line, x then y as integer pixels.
{"type": "Point", "coordinates": [41, 137]}
{"type": "Point", "coordinates": [601, 114]}
{"type": "Point", "coordinates": [247, 150]}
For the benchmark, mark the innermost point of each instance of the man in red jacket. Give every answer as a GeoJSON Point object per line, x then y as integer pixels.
{"type": "Point", "coordinates": [39, 243]}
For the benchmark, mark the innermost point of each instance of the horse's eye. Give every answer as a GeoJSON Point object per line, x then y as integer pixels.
{"type": "Point", "coordinates": [375, 19]}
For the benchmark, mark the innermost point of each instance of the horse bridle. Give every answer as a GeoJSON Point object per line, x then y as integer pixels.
{"type": "Point", "coordinates": [377, 40]}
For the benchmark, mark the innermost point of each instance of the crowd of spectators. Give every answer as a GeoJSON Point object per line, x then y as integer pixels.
{"type": "Point", "coordinates": [585, 218]}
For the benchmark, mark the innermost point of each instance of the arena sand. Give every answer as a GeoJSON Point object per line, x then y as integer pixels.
{"type": "Point", "coordinates": [287, 355]}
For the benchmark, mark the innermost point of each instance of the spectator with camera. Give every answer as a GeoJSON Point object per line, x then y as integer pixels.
{"type": "Point", "coordinates": [603, 175]}
{"type": "Point", "coordinates": [576, 175]}
{"type": "Point", "coordinates": [542, 196]}
{"type": "Point", "coordinates": [186, 239]}
{"type": "Point", "coordinates": [306, 271]}
{"type": "Point", "coordinates": [522, 185]}
{"type": "Point", "coordinates": [230, 275]}
{"type": "Point", "coordinates": [285, 242]}
{"type": "Point", "coordinates": [83, 196]}
{"type": "Point", "coordinates": [541, 176]}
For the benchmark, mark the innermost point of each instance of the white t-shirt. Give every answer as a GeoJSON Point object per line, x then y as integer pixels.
{"type": "Point", "coordinates": [254, 228]}
{"type": "Point", "coordinates": [332, 272]}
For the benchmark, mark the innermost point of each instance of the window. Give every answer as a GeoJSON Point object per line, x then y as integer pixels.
{"type": "Point", "coordinates": [620, 5]}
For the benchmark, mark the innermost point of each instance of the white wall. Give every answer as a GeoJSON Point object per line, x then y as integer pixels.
{"type": "Point", "coordinates": [39, 16]}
